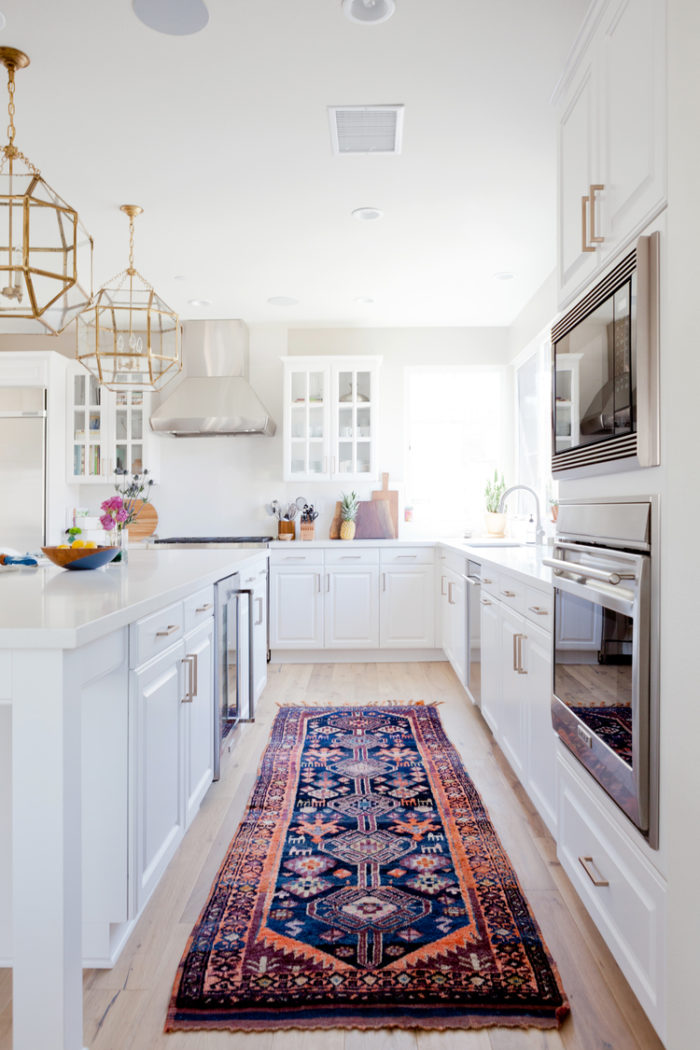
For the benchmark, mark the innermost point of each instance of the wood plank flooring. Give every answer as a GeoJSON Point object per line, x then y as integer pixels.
{"type": "Point", "coordinates": [125, 1007]}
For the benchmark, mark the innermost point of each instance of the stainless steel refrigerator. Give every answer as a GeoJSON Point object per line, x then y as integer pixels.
{"type": "Point", "coordinates": [22, 467]}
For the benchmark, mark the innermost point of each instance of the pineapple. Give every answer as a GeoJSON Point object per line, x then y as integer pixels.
{"type": "Point", "coordinates": [348, 513]}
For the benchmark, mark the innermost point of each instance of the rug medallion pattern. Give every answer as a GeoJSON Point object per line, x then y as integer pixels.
{"type": "Point", "coordinates": [365, 888]}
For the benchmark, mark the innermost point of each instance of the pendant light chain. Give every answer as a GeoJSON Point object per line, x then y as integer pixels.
{"type": "Point", "coordinates": [10, 151]}
{"type": "Point", "coordinates": [132, 269]}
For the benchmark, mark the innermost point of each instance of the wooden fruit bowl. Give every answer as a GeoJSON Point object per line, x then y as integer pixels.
{"type": "Point", "coordinates": [80, 557]}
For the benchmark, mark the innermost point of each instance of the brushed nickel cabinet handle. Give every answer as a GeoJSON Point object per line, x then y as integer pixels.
{"type": "Point", "coordinates": [443, 592]}
{"type": "Point", "coordinates": [515, 652]}
{"type": "Point", "coordinates": [383, 581]}
{"type": "Point", "coordinates": [509, 594]}
{"type": "Point", "coordinates": [204, 608]}
{"type": "Point", "coordinates": [538, 610]}
{"type": "Point", "coordinates": [318, 581]}
{"type": "Point", "coordinates": [592, 190]}
{"type": "Point", "coordinates": [585, 246]}
{"type": "Point", "coordinates": [521, 669]}
{"type": "Point", "coordinates": [189, 691]}
{"type": "Point", "coordinates": [328, 583]}
{"type": "Point", "coordinates": [485, 579]}
{"type": "Point", "coordinates": [169, 630]}
{"type": "Point", "coordinates": [591, 869]}
{"type": "Point", "coordinates": [450, 585]}
{"type": "Point", "coordinates": [258, 622]}
{"type": "Point", "coordinates": [485, 601]}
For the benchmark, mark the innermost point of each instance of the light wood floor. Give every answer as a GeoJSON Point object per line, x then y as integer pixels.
{"type": "Point", "coordinates": [125, 1007]}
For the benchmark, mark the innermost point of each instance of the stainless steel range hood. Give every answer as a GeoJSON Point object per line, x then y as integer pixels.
{"type": "Point", "coordinates": [215, 397]}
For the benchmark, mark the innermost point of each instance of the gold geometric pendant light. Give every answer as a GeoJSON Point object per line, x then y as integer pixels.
{"type": "Point", "coordinates": [128, 337]}
{"type": "Point", "coordinates": [45, 251]}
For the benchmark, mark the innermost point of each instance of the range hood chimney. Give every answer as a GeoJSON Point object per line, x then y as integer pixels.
{"type": "Point", "coordinates": [215, 396]}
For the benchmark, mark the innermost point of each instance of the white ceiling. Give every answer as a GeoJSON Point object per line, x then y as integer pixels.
{"type": "Point", "coordinates": [223, 138]}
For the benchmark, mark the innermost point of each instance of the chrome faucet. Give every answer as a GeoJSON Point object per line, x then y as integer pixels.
{"type": "Point", "coordinates": [539, 531]}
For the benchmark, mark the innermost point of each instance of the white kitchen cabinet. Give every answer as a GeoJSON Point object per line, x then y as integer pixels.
{"type": "Point", "coordinates": [330, 418]}
{"type": "Point", "coordinates": [157, 691]}
{"type": "Point", "coordinates": [516, 668]}
{"type": "Point", "coordinates": [612, 155]}
{"type": "Point", "coordinates": [296, 604]}
{"type": "Point", "coordinates": [107, 430]}
{"type": "Point", "coordinates": [452, 598]}
{"type": "Point", "coordinates": [260, 624]}
{"type": "Point", "coordinates": [407, 598]}
{"type": "Point", "coordinates": [198, 716]}
{"type": "Point", "coordinates": [351, 607]}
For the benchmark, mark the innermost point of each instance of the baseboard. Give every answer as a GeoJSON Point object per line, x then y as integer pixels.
{"type": "Point", "coordinates": [357, 656]}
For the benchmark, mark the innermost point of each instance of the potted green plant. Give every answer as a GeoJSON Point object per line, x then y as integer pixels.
{"type": "Point", "coordinates": [495, 518]}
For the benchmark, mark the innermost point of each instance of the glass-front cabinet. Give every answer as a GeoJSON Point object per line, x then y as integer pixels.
{"type": "Point", "coordinates": [330, 418]}
{"type": "Point", "coordinates": [108, 431]}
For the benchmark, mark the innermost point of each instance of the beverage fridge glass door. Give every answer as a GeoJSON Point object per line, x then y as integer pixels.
{"type": "Point", "coordinates": [233, 690]}
{"type": "Point", "coordinates": [474, 631]}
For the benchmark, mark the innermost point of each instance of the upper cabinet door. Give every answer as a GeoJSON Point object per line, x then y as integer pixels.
{"type": "Point", "coordinates": [578, 163]}
{"type": "Point", "coordinates": [88, 428]}
{"type": "Point", "coordinates": [330, 418]}
{"type": "Point", "coordinates": [633, 133]}
{"type": "Point", "coordinates": [306, 421]}
{"type": "Point", "coordinates": [612, 139]}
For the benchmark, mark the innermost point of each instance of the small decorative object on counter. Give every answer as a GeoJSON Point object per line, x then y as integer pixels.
{"type": "Point", "coordinates": [133, 492]}
{"type": "Point", "coordinates": [307, 529]}
{"type": "Point", "coordinates": [348, 513]}
{"type": "Point", "coordinates": [408, 514]}
{"type": "Point", "coordinates": [495, 521]}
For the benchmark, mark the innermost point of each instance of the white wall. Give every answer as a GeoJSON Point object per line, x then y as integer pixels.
{"type": "Point", "coordinates": [219, 486]}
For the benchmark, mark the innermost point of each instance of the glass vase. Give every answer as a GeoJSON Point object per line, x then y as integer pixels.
{"type": "Point", "coordinates": [121, 541]}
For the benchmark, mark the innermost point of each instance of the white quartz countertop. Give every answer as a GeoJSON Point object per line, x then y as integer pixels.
{"type": "Point", "coordinates": [48, 607]}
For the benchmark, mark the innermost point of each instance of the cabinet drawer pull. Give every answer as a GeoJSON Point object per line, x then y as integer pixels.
{"type": "Point", "coordinates": [318, 581]}
{"type": "Point", "coordinates": [592, 190]}
{"type": "Point", "coordinates": [443, 592]}
{"type": "Point", "coordinates": [450, 585]}
{"type": "Point", "coordinates": [328, 583]}
{"type": "Point", "coordinates": [204, 608]}
{"type": "Point", "coordinates": [515, 652]}
{"type": "Point", "coordinates": [350, 557]}
{"type": "Point", "coordinates": [538, 610]}
{"type": "Point", "coordinates": [485, 601]}
{"type": "Point", "coordinates": [295, 557]}
{"type": "Point", "coordinates": [485, 579]}
{"type": "Point", "coordinates": [258, 622]}
{"type": "Point", "coordinates": [406, 556]}
{"type": "Point", "coordinates": [520, 668]}
{"type": "Point", "coordinates": [189, 691]}
{"type": "Point", "coordinates": [585, 246]}
{"type": "Point", "coordinates": [169, 630]}
{"type": "Point", "coordinates": [591, 869]}
{"type": "Point", "coordinates": [509, 594]}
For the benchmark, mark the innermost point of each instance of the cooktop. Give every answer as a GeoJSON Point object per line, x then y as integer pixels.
{"type": "Point", "coordinates": [215, 539]}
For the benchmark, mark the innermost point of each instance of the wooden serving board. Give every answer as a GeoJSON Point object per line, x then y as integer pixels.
{"type": "Point", "coordinates": [374, 521]}
{"type": "Point", "coordinates": [391, 496]}
{"type": "Point", "coordinates": [334, 532]}
{"type": "Point", "coordinates": [145, 524]}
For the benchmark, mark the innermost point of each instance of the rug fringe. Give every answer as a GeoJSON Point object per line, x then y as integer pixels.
{"type": "Point", "coordinates": [359, 703]}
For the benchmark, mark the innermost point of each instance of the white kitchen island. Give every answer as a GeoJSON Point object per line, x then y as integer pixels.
{"type": "Point", "coordinates": [65, 676]}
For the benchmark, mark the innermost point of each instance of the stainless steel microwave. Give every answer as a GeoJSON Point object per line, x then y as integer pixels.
{"type": "Point", "coordinates": [605, 379]}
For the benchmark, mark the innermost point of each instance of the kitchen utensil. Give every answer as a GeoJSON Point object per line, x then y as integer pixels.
{"type": "Point", "coordinates": [146, 522]}
{"type": "Point", "coordinates": [80, 558]}
{"type": "Point", "coordinates": [374, 521]}
{"type": "Point", "coordinates": [391, 496]}
{"type": "Point", "coordinates": [13, 559]}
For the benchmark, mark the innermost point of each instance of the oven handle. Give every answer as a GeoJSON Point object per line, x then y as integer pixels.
{"type": "Point", "coordinates": [560, 567]}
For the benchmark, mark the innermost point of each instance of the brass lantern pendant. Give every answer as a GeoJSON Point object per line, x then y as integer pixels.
{"type": "Point", "coordinates": [45, 251]}
{"type": "Point", "coordinates": [128, 337]}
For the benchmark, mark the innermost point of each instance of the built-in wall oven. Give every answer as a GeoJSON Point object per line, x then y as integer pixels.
{"type": "Point", "coordinates": [605, 689]}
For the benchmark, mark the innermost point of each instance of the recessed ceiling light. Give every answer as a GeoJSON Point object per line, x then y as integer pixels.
{"type": "Point", "coordinates": [504, 275]}
{"type": "Point", "coordinates": [364, 299]}
{"type": "Point", "coordinates": [368, 12]}
{"type": "Point", "coordinates": [175, 17]}
{"type": "Point", "coordinates": [282, 300]}
{"type": "Point", "coordinates": [199, 302]}
{"type": "Point", "coordinates": [367, 214]}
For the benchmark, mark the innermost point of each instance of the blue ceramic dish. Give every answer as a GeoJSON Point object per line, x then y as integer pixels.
{"type": "Point", "coordinates": [80, 558]}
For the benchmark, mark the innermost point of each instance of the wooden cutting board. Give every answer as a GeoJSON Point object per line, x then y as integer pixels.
{"type": "Point", "coordinates": [145, 524]}
{"type": "Point", "coordinates": [374, 521]}
{"type": "Point", "coordinates": [334, 532]}
{"type": "Point", "coordinates": [391, 496]}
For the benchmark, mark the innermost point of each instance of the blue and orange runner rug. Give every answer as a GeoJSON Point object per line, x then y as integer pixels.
{"type": "Point", "coordinates": [365, 888]}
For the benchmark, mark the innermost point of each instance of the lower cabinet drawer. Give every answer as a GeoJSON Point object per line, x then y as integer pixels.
{"type": "Point", "coordinates": [624, 894]}
{"type": "Point", "coordinates": [411, 556]}
{"type": "Point", "coordinates": [153, 634]}
{"type": "Point", "coordinates": [347, 555]}
{"type": "Point", "coordinates": [199, 607]}
{"type": "Point", "coordinates": [511, 592]}
{"type": "Point", "coordinates": [294, 557]}
{"type": "Point", "coordinates": [539, 607]}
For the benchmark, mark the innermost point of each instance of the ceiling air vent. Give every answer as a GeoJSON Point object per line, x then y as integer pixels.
{"type": "Point", "coordinates": [366, 129]}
